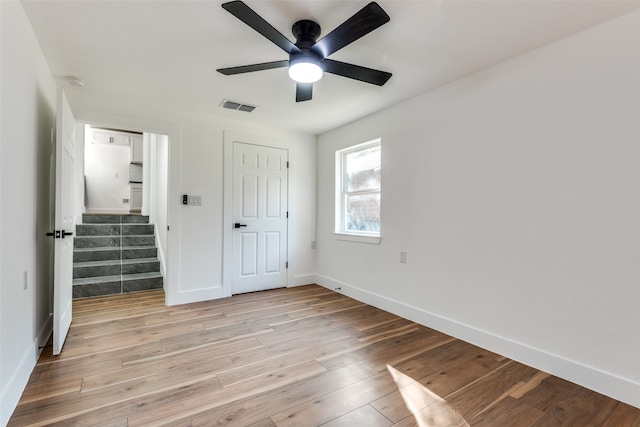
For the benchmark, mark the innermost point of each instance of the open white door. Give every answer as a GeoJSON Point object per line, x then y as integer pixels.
{"type": "Point", "coordinates": [260, 181]}
{"type": "Point", "coordinates": [64, 223]}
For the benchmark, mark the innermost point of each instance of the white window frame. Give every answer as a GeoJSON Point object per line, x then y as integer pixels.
{"type": "Point", "coordinates": [341, 195]}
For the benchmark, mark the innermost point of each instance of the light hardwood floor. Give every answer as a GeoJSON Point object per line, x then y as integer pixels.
{"type": "Point", "coordinates": [302, 356]}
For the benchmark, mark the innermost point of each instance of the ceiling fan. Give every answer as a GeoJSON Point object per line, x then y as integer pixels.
{"type": "Point", "coordinates": [308, 57]}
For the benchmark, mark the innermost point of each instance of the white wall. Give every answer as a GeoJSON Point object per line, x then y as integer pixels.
{"type": "Point", "coordinates": [106, 170]}
{"type": "Point", "coordinates": [515, 193]}
{"type": "Point", "coordinates": [195, 240]}
{"type": "Point", "coordinates": [28, 105]}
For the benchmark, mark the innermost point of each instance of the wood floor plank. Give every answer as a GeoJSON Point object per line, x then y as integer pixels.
{"type": "Point", "coordinates": [363, 416]}
{"type": "Point", "coordinates": [453, 352]}
{"type": "Point", "coordinates": [72, 404]}
{"type": "Point", "coordinates": [293, 345]}
{"type": "Point", "coordinates": [509, 413]}
{"type": "Point", "coordinates": [326, 308]}
{"type": "Point", "coordinates": [115, 410]}
{"type": "Point", "coordinates": [202, 338]}
{"type": "Point", "coordinates": [337, 403]}
{"type": "Point", "coordinates": [40, 390]}
{"type": "Point", "coordinates": [88, 329]}
{"type": "Point", "coordinates": [582, 407]}
{"type": "Point", "coordinates": [473, 399]}
{"type": "Point", "coordinates": [623, 415]}
{"type": "Point", "coordinates": [295, 356]}
{"type": "Point", "coordinates": [268, 422]}
{"type": "Point", "coordinates": [394, 406]}
{"type": "Point", "coordinates": [439, 413]}
{"type": "Point", "coordinates": [267, 311]}
{"type": "Point", "coordinates": [544, 392]}
{"type": "Point", "coordinates": [174, 363]}
{"type": "Point", "coordinates": [217, 398]}
{"type": "Point", "coordinates": [246, 411]}
{"type": "Point", "coordinates": [209, 350]}
{"type": "Point", "coordinates": [140, 335]}
{"type": "Point", "coordinates": [281, 334]}
{"type": "Point", "coordinates": [78, 367]}
{"type": "Point", "coordinates": [410, 346]}
{"type": "Point", "coordinates": [394, 349]}
{"type": "Point", "coordinates": [303, 356]}
{"type": "Point", "coordinates": [455, 377]}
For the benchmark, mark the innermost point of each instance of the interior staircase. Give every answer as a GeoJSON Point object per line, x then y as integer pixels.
{"type": "Point", "coordinates": [114, 254]}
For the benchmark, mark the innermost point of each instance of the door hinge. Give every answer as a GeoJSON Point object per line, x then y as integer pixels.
{"type": "Point", "coordinates": [287, 164]}
{"type": "Point", "coordinates": [286, 265]}
{"type": "Point", "coordinates": [287, 214]}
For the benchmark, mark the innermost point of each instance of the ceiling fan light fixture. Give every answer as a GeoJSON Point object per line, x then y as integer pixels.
{"type": "Point", "coordinates": [305, 69]}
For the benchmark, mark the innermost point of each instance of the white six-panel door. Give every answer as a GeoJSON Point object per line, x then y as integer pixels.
{"type": "Point", "coordinates": [260, 186]}
{"type": "Point", "coordinates": [64, 223]}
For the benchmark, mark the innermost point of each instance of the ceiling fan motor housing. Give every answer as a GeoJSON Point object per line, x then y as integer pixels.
{"type": "Point", "coordinates": [306, 33]}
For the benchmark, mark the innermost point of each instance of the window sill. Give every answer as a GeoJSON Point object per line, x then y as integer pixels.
{"type": "Point", "coordinates": [372, 240]}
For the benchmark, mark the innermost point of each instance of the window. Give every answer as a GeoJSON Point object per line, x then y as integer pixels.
{"type": "Point", "coordinates": [358, 191]}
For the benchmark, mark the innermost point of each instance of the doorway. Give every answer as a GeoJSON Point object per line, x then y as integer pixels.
{"type": "Point", "coordinates": [126, 173]}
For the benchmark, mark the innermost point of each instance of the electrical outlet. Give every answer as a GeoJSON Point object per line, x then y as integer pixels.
{"type": "Point", "coordinates": [125, 201]}
{"type": "Point", "coordinates": [403, 257]}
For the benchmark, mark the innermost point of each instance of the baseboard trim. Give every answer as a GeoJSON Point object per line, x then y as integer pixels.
{"type": "Point", "coordinates": [14, 388]}
{"type": "Point", "coordinates": [301, 280]}
{"type": "Point", "coordinates": [600, 381]}
{"type": "Point", "coordinates": [196, 295]}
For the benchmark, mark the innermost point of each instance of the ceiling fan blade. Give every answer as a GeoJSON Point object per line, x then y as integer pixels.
{"type": "Point", "coordinates": [356, 72]}
{"type": "Point", "coordinates": [362, 23]}
{"type": "Point", "coordinates": [304, 91]}
{"type": "Point", "coordinates": [255, 21]}
{"type": "Point", "coordinates": [253, 67]}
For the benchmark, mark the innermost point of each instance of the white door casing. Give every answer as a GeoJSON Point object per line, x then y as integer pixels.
{"type": "Point", "coordinates": [64, 223]}
{"type": "Point", "coordinates": [260, 200]}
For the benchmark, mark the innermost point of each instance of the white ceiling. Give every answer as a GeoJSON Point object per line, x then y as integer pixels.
{"type": "Point", "coordinates": [166, 52]}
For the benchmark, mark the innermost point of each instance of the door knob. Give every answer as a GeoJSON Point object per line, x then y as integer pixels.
{"type": "Point", "coordinates": [59, 234]}
{"type": "Point", "coordinates": [238, 225]}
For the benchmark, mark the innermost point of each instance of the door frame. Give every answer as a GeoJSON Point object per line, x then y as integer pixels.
{"type": "Point", "coordinates": [173, 296]}
{"type": "Point", "coordinates": [229, 138]}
